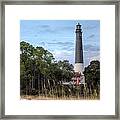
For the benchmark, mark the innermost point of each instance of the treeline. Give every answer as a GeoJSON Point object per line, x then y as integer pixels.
{"type": "Point", "coordinates": [39, 70]}
{"type": "Point", "coordinates": [40, 74]}
{"type": "Point", "coordinates": [92, 77]}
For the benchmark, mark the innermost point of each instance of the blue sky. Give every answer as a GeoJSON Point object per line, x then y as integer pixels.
{"type": "Point", "coordinates": [58, 37]}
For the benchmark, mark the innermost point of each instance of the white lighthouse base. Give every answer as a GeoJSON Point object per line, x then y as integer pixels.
{"type": "Point", "coordinates": [79, 68]}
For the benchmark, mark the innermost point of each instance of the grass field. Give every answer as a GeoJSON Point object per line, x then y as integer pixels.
{"type": "Point", "coordinates": [33, 97]}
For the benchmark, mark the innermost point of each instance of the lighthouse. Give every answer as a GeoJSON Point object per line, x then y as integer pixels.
{"type": "Point", "coordinates": [79, 66]}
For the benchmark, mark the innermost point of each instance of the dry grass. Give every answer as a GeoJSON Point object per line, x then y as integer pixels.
{"type": "Point", "coordinates": [30, 97]}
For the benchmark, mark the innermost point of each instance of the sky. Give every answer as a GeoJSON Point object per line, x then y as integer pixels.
{"type": "Point", "coordinates": [58, 37]}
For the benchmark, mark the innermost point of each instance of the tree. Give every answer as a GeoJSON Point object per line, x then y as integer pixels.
{"type": "Point", "coordinates": [67, 70]}
{"type": "Point", "coordinates": [39, 71]}
{"type": "Point", "coordinates": [92, 75]}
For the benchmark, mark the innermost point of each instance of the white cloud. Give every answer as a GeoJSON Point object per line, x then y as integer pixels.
{"type": "Point", "coordinates": [95, 58]}
{"type": "Point", "coordinates": [64, 55]}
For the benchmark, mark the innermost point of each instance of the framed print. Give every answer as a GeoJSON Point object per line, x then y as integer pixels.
{"type": "Point", "coordinates": [59, 59]}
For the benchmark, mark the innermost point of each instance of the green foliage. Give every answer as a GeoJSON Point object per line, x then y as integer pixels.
{"type": "Point", "coordinates": [41, 75]}
{"type": "Point", "coordinates": [39, 70]}
{"type": "Point", "coordinates": [92, 75]}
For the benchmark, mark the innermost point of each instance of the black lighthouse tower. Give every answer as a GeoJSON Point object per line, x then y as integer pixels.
{"type": "Point", "coordinates": [78, 50]}
{"type": "Point", "coordinates": [79, 67]}
{"type": "Point", "coordinates": [79, 47]}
